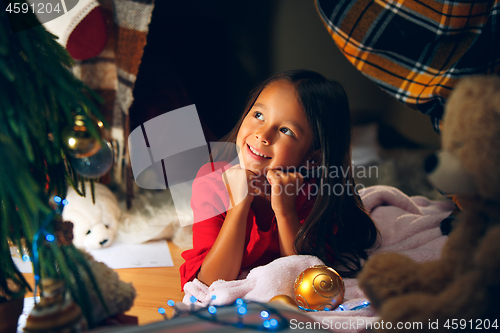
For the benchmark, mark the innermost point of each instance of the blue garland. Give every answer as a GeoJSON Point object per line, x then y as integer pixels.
{"type": "Point", "coordinates": [273, 320]}
{"type": "Point", "coordinates": [41, 234]}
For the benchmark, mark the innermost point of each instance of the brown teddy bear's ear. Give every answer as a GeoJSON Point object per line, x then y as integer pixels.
{"type": "Point", "coordinates": [64, 232]}
{"type": "Point", "coordinates": [470, 133]}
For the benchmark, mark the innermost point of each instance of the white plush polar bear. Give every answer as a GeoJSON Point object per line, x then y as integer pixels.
{"type": "Point", "coordinates": [152, 216]}
{"type": "Point", "coordinates": [94, 226]}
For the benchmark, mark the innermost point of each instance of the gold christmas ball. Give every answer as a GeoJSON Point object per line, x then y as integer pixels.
{"type": "Point", "coordinates": [78, 141]}
{"type": "Point", "coordinates": [284, 299]}
{"type": "Point", "coordinates": [318, 288]}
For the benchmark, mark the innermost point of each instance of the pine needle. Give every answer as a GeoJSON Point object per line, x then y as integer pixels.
{"type": "Point", "coordinates": [38, 98]}
{"type": "Point", "coordinates": [92, 190]}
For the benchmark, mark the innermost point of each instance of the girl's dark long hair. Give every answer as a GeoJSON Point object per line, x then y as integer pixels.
{"type": "Point", "coordinates": [337, 204]}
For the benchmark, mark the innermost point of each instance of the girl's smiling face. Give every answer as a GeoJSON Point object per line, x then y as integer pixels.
{"type": "Point", "coordinates": [275, 132]}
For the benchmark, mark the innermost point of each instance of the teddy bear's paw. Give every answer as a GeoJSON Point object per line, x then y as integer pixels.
{"type": "Point", "coordinates": [387, 275]}
{"type": "Point", "coordinates": [410, 313]}
{"type": "Point", "coordinates": [125, 296]}
{"type": "Point", "coordinates": [489, 248]}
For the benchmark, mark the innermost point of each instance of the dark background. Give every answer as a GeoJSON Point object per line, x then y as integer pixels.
{"type": "Point", "coordinates": [212, 53]}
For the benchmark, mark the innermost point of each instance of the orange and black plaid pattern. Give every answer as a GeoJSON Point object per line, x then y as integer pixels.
{"type": "Point", "coordinates": [416, 50]}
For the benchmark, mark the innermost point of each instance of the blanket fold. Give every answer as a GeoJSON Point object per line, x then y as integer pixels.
{"type": "Point", "coordinates": [408, 225]}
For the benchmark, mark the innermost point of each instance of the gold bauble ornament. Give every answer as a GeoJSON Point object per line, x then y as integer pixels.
{"type": "Point", "coordinates": [285, 299]}
{"type": "Point", "coordinates": [77, 139]}
{"type": "Point", "coordinates": [318, 288]}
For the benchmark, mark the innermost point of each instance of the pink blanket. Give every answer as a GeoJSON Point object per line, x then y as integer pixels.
{"type": "Point", "coordinates": [407, 225]}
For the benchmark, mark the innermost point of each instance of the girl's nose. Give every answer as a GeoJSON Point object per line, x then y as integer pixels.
{"type": "Point", "coordinates": [261, 138]}
{"type": "Point", "coordinates": [265, 134]}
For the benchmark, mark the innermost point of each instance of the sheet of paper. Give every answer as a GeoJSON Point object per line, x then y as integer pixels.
{"type": "Point", "coordinates": [29, 304]}
{"type": "Point", "coordinates": [119, 255]}
{"type": "Point", "coordinates": [149, 254]}
{"type": "Point", "coordinates": [23, 266]}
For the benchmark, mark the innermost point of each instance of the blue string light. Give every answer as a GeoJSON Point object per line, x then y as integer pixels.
{"type": "Point", "coordinates": [214, 297]}
{"type": "Point", "coordinates": [192, 299]}
{"type": "Point", "coordinates": [341, 308]}
{"type": "Point", "coordinates": [362, 306]}
{"type": "Point", "coordinates": [36, 264]}
{"type": "Point", "coordinates": [26, 257]}
{"type": "Point", "coordinates": [170, 302]}
{"type": "Point", "coordinates": [162, 312]}
{"type": "Point", "coordinates": [275, 322]}
{"type": "Point", "coordinates": [42, 233]}
{"type": "Point", "coordinates": [239, 301]}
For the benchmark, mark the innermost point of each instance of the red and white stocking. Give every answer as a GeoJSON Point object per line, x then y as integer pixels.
{"type": "Point", "coordinates": [81, 30]}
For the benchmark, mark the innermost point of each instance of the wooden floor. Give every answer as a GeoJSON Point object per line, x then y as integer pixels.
{"type": "Point", "coordinates": [154, 286]}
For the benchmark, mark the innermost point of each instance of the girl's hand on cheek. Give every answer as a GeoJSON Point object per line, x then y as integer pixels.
{"type": "Point", "coordinates": [284, 190]}
{"type": "Point", "coordinates": [238, 182]}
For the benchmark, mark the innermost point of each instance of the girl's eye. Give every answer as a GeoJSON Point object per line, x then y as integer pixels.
{"type": "Point", "coordinates": [286, 131]}
{"type": "Point", "coordinates": [258, 115]}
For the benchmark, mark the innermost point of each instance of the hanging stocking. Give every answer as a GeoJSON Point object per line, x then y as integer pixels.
{"type": "Point", "coordinates": [82, 30]}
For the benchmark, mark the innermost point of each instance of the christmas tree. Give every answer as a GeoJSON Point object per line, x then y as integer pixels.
{"type": "Point", "coordinates": [39, 100]}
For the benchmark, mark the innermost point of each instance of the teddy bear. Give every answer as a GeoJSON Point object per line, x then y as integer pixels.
{"type": "Point", "coordinates": [94, 225]}
{"type": "Point", "coordinates": [118, 296]}
{"type": "Point", "coordinates": [58, 312]}
{"type": "Point", "coordinates": [461, 290]}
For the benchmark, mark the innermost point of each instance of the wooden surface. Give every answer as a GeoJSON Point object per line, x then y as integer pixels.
{"type": "Point", "coordinates": [154, 286]}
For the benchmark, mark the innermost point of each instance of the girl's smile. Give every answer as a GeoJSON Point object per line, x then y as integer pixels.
{"type": "Point", "coordinates": [254, 153]}
{"type": "Point", "coordinates": [274, 133]}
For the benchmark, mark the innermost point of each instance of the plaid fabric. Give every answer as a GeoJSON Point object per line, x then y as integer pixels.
{"type": "Point", "coordinates": [113, 73]}
{"type": "Point", "coordinates": [416, 50]}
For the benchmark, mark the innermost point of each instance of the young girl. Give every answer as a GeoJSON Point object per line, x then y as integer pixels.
{"type": "Point", "coordinates": [294, 121]}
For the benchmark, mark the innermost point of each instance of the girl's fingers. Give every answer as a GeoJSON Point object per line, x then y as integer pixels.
{"type": "Point", "coordinates": [236, 169]}
{"type": "Point", "coordinates": [251, 175]}
{"type": "Point", "coordinates": [300, 178]}
{"type": "Point", "coordinates": [271, 176]}
{"type": "Point", "coordinates": [238, 184]}
{"type": "Point", "coordinates": [278, 176]}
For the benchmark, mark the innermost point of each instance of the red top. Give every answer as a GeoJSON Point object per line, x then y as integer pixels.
{"type": "Point", "coordinates": [209, 202]}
